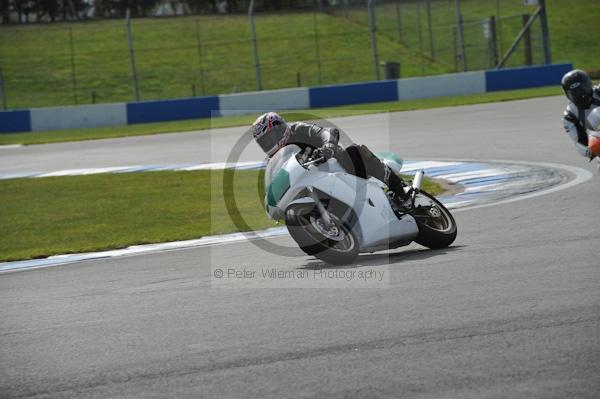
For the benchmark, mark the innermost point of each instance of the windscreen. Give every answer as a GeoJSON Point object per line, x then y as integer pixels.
{"type": "Point", "coordinates": [278, 160]}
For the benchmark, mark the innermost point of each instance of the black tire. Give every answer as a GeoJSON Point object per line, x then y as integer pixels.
{"type": "Point", "coordinates": [314, 243]}
{"type": "Point", "coordinates": [435, 232]}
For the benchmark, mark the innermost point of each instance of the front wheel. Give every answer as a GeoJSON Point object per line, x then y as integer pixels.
{"type": "Point", "coordinates": [336, 244]}
{"type": "Point", "coordinates": [437, 227]}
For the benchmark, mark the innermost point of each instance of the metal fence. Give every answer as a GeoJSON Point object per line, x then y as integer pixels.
{"type": "Point", "coordinates": [453, 35]}
{"type": "Point", "coordinates": [331, 42]}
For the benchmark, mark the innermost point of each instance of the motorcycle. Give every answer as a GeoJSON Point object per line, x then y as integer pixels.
{"type": "Point", "coordinates": [594, 133]}
{"type": "Point", "coordinates": [334, 215]}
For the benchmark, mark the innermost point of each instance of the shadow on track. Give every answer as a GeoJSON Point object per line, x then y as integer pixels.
{"type": "Point", "coordinates": [383, 259]}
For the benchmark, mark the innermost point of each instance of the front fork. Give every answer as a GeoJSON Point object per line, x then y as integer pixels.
{"type": "Point", "coordinates": [320, 206]}
{"type": "Point", "coordinates": [416, 185]}
{"type": "Point", "coordinates": [414, 189]}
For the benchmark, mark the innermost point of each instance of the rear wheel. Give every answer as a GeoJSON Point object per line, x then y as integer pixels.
{"type": "Point", "coordinates": [437, 227]}
{"type": "Point", "coordinates": [336, 244]}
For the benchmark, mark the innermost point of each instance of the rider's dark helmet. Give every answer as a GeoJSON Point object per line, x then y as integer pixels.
{"type": "Point", "coordinates": [271, 132]}
{"type": "Point", "coordinates": [578, 87]}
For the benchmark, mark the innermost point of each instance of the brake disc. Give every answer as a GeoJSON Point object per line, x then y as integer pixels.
{"type": "Point", "coordinates": [332, 232]}
{"type": "Point", "coordinates": [434, 212]}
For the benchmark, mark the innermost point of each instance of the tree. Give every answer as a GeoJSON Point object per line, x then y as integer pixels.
{"type": "Point", "coordinates": [51, 8]}
{"type": "Point", "coordinates": [5, 8]}
{"type": "Point", "coordinates": [23, 9]}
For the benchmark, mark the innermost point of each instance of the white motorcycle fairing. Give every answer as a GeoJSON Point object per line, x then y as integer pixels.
{"type": "Point", "coordinates": [377, 226]}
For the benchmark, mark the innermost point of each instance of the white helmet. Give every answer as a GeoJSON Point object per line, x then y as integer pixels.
{"type": "Point", "coordinates": [271, 132]}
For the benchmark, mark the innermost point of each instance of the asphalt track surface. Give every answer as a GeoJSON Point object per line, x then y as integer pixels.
{"type": "Point", "coordinates": [511, 310]}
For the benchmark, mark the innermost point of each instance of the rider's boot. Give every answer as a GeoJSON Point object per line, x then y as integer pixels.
{"type": "Point", "coordinates": [395, 183]}
{"type": "Point", "coordinates": [400, 200]}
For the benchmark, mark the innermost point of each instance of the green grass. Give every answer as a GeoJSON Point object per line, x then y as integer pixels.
{"type": "Point", "coordinates": [56, 136]}
{"type": "Point", "coordinates": [36, 59]}
{"type": "Point", "coordinates": [43, 217]}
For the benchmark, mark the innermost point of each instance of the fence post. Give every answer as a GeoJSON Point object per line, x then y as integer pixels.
{"type": "Point", "coordinates": [317, 49]}
{"type": "Point", "coordinates": [73, 76]}
{"type": "Point", "coordinates": [545, 33]}
{"type": "Point", "coordinates": [513, 46]}
{"type": "Point", "coordinates": [254, 45]}
{"type": "Point", "coordinates": [431, 49]}
{"type": "Point", "coordinates": [2, 89]}
{"type": "Point", "coordinates": [493, 41]}
{"type": "Point", "coordinates": [527, 41]}
{"type": "Point", "coordinates": [399, 20]}
{"type": "Point", "coordinates": [498, 27]}
{"type": "Point", "coordinates": [199, 43]}
{"type": "Point", "coordinates": [373, 26]}
{"type": "Point", "coordinates": [460, 35]}
{"type": "Point", "coordinates": [136, 90]}
{"type": "Point", "coordinates": [454, 48]}
{"type": "Point", "coordinates": [420, 37]}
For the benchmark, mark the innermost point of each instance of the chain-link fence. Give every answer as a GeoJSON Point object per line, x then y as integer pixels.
{"type": "Point", "coordinates": [331, 42]}
{"type": "Point", "coordinates": [433, 29]}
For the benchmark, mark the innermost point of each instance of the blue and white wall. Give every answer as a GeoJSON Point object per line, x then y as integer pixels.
{"type": "Point", "coordinates": [38, 119]}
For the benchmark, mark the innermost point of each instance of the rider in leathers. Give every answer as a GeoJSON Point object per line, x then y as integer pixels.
{"type": "Point", "coordinates": [271, 133]}
{"type": "Point", "coordinates": [583, 98]}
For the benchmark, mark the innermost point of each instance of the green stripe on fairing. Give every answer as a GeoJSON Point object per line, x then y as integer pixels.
{"type": "Point", "coordinates": [279, 185]}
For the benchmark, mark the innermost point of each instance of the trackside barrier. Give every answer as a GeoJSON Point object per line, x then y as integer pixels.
{"type": "Point", "coordinates": [525, 77]}
{"type": "Point", "coordinates": [85, 116]}
{"type": "Point", "coordinates": [99, 115]}
{"type": "Point", "coordinates": [442, 85]}
{"type": "Point", "coordinates": [171, 110]}
{"type": "Point", "coordinates": [356, 93]}
{"type": "Point", "coordinates": [15, 121]}
{"type": "Point", "coordinates": [263, 101]}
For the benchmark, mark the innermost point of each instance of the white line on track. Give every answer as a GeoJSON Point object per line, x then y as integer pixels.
{"type": "Point", "coordinates": [581, 176]}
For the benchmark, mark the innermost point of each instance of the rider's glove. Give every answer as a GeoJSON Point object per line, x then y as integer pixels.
{"type": "Point", "coordinates": [334, 135]}
{"type": "Point", "coordinates": [330, 150]}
